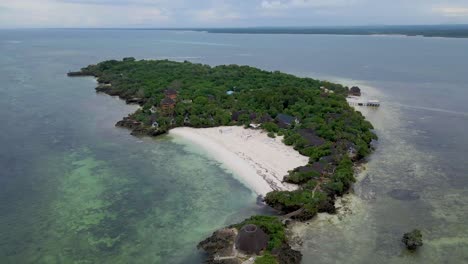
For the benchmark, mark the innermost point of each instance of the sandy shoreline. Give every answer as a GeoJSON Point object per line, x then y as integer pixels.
{"type": "Point", "coordinates": [258, 160]}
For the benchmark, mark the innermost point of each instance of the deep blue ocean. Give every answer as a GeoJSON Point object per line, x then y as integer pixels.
{"type": "Point", "coordinates": [75, 189]}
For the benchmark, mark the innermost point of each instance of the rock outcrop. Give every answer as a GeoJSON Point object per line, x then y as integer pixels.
{"type": "Point", "coordinates": [287, 255]}
{"type": "Point", "coordinates": [413, 239]}
{"type": "Point", "coordinates": [220, 244]}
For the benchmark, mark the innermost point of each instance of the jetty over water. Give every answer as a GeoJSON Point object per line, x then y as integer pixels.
{"type": "Point", "coordinates": [359, 101]}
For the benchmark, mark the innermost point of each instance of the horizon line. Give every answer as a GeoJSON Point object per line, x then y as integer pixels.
{"type": "Point", "coordinates": [243, 27]}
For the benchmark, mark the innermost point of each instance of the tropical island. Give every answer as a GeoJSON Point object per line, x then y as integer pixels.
{"type": "Point", "coordinates": [310, 116]}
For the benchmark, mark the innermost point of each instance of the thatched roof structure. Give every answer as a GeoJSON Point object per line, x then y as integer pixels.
{"type": "Point", "coordinates": [170, 91]}
{"type": "Point", "coordinates": [251, 239]}
{"type": "Point", "coordinates": [286, 121]}
{"type": "Point", "coordinates": [310, 135]}
{"type": "Point", "coordinates": [266, 118]}
{"type": "Point", "coordinates": [167, 101]}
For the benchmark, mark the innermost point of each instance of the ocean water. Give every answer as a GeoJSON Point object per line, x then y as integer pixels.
{"type": "Point", "coordinates": [75, 189]}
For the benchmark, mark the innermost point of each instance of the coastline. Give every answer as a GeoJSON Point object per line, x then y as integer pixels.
{"type": "Point", "coordinates": [260, 162]}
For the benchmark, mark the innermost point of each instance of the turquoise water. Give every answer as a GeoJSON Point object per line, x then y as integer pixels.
{"type": "Point", "coordinates": [75, 189]}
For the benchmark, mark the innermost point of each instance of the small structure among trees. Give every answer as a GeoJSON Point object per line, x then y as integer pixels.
{"type": "Point", "coordinates": [171, 93]}
{"type": "Point", "coordinates": [355, 91]}
{"type": "Point", "coordinates": [167, 103]}
{"type": "Point", "coordinates": [286, 121]}
{"type": "Point", "coordinates": [251, 239]}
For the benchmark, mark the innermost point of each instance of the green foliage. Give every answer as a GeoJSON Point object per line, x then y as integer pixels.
{"type": "Point", "coordinates": [295, 200]}
{"type": "Point", "coordinates": [267, 258]}
{"type": "Point", "coordinates": [270, 225]}
{"type": "Point", "coordinates": [315, 153]}
{"type": "Point", "coordinates": [270, 127]}
{"type": "Point", "coordinates": [301, 177]}
{"type": "Point", "coordinates": [256, 92]}
{"type": "Point", "coordinates": [343, 177]}
{"type": "Point", "coordinates": [203, 100]}
{"type": "Point", "coordinates": [271, 134]}
{"type": "Point", "coordinates": [310, 185]}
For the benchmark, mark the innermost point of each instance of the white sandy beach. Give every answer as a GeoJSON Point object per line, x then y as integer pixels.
{"type": "Point", "coordinates": [259, 161]}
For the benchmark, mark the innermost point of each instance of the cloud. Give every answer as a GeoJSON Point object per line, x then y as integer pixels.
{"type": "Point", "coordinates": [290, 4]}
{"type": "Point", "coordinates": [230, 13]}
{"type": "Point", "coordinates": [216, 14]}
{"type": "Point", "coordinates": [52, 13]}
{"type": "Point", "coordinates": [452, 11]}
{"type": "Point", "coordinates": [272, 4]}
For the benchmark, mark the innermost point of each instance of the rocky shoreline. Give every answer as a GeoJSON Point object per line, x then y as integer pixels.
{"type": "Point", "coordinates": [220, 248]}
{"type": "Point", "coordinates": [136, 127]}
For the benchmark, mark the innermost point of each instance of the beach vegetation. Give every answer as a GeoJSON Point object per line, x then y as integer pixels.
{"type": "Point", "coordinates": [266, 258]}
{"type": "Point", "coordinates": [298, 177]}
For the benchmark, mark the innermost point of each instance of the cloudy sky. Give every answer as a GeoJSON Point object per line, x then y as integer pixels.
{"type": "Point", "coordinates": [220, 13]}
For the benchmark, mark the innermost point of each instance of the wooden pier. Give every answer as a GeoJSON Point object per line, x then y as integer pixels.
{"type": "Point", "coordinates": [358, 101]}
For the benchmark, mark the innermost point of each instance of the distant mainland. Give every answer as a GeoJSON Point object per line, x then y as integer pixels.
{"type": "Point", "coordinates": [293, 140]}
{"type": "Point", "coordinates": [445, 31]}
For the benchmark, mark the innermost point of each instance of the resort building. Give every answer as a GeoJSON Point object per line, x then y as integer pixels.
{"type": "Point", "coordinates": [167, 103]}
{"type": "Point", "coordinates": [251, 240]}
{"type": "Point", "coordinates": [311, 137]}
{"type": "Point", "coordinates": [171, 93]}
{"type": "Point", "coordinates": [153, 121]}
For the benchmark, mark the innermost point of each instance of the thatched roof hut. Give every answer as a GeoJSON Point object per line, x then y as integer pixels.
{"type": "Point", "coordinates": [171, 93]}
{"type": "Point", "coordinates": [251, 239]}
{"type": "Point", "coordinates": [310, 135]}
{"type": "Point", "coordinates": [286, 121]}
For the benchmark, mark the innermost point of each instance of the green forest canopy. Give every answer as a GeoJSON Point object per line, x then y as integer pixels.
{"type": "Point", "coordinates": [257, 96]}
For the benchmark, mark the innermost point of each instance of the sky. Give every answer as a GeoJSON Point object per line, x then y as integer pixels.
{"type": "Point", "coordinates": [228, 13]}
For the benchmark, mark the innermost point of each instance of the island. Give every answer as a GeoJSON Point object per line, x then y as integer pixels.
{"type": "Point", "coordinates": [309, 116]}
{"type": "Point", "coordinates": [443, 31]}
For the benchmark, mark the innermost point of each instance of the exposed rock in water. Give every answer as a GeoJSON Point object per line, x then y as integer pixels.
{"type": "Point", "coordinates": [79, 74]}
{"type": "Point", "coordinates": [134, 100]}
{"type": "Point", "coordinates": [138, 128]}
{"type": "Point", "coordinates": [327, 206]}
{"type": "Point", "coordinates": [128, 123]}
{"type": "Point", "coordinates": [404, 195]}
{"type": "Point", "coordinates": [287, 255]}
{"type": "Point", "coordinates": [413, 239]}
{"type": "Point", "coordinates": [102, 88]}
{"type": "Point", "coordinates": [220, 243]}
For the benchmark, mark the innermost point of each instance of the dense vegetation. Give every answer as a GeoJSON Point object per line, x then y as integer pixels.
{"type": "Point", "coordinates": [311, 115]}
